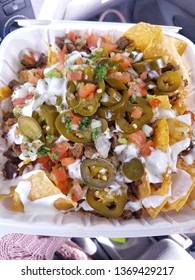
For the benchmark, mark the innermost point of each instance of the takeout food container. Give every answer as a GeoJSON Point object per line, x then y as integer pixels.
{"type": "Point", "coordinates": [77, 224]}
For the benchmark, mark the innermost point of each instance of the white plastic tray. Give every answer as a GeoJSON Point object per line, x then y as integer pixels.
{"type": "Point", "coordinates": [75, 224]}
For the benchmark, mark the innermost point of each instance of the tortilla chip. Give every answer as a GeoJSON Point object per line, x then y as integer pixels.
{"type": "Point", "coordinates": [182, 201]}
{"type": "Point", "coordinates": [161, 135]}
{"type": "Point", "coordinates": [143, 190]}
{"type": "Point", "coordinates": [5, 92]}
{"type": "Point", "coordinates": [179, 45]}
{"type": "Point", "coordinates": [153, 212]}
{"type": "Point", "coordinates": [3, 196]}
{"type": "Point", "coordinates": [165, 185]}
{"type": "Point", "coordinates": [17, 204]}
{"type": "Point", "coordinates": [191, 170]}
{"type": "Point", "coordinates": [64, 204]}
{"type": "Point", "coordinates": [142, 34]}
{"type": "Point", "coordinates": [161, 46]}
{"type": "Point", "coordinates": [178, 131]}
{"type": "Point", "coordinates": [41, 186]}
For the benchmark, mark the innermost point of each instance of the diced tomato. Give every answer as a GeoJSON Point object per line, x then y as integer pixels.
{"type": "Point", "coordinates": [68, 160]}
{"type": "Point", "coordinates": [86, 91]}
{"type": "Point", "coordinates": [154, 102]}
{"type": "Point", "coordinates": [123, 77]}
{"type": "Point", "coordinates": [108, 47]}
{"type": "Point", "coordinates": [76, 191]}
{"type": "Point", "coordinates": [146, 149]}
{"type": "Point", "coordinates": [46, 162]}
{"type": "Point", "coordinates": [32, 75]}
{"type": "Point", "coordinates": [29, 59]}
{"type": "Point", "coordinates": [137, 88]}
{"type": "Point", "coordinates": [123, 60]}
{"type": "Point", "coordinates": [22, 100]}
{"type": "Point", "coordinates": [63, 186]}
{"type": "Point", "coordinates": [60, 151]}
{"type": "Point", "coordinates": [75, 119]}
{"type": "Point", "coordinates": [92, 41]}
{"type": "Point", "coordinates": [143, 91]}
{"type": "Point", "coordinates": [74, 76]}
{"type": "Point", "coordinates": [71, 36]}
{"type": "Point", "coordinates": [137, 112]}
{"type": "Point", "coordinates": [138, 138]}
{"type": "Point", "coordinates": [60, 178]}
{"type": "Point", "coordinates": [62, 54]}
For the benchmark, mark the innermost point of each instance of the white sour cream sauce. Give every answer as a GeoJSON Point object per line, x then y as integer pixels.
{"type": "Point", "coordinates": [175, 149]}
{"type": "Point", "coordinates": [45, 204]}
{"type": "Point", "coordinates": [74, 170]}
{"type": "Point", "coordinates": [23, 90]}
{"type": "Point", "coordinates": [12, 138]}
{"type": "Point", "coordinates": [126, 152]}
{"type": "Point", "coordinates": [181, 183]}
{"type": "Point", "coordinates": [71, 58]}
{"type": "Point", "coordinates": [156, 164]}
{"type": "Point", "coordinates": [155, 200]}
{"type": "Point", "coordinates": [50, 88]}
{"type": "Point", "coordinates": [190, 157]}
{"type": "Point", "coordinates": [133, 205]}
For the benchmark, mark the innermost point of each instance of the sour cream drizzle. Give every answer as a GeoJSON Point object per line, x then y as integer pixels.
{"type": "Point", "coordinates": [156, 164]}
{"type": "Point", "coordinates": [181, 183]}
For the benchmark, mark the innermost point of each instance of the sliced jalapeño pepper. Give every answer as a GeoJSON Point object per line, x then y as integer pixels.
{"type": "Point", "coordinates": [149, 64]}
{"type": "Point", "coordinates": [63, 124]}
{"type": "Point", "coordinates": [109, 205]}
{"type": "Point", "coordinates": [169, 81]}
{"type": "Point", "coordinates": [134, 169]}
{"type": "Point", "coordinates": [111, 64]}
{"type": "Point", "coordinates": [116, 111]}
{"type": "Point", "coordinates": [29, 127]}
{"type": "Point", "coordinates": [48, 114]}
{"type": "Point", "coordinates": [127, 126]}
{"type": "Point", "coordinates": [97, 173]}
{"type": "Point", "coordinates": [84, 106]}
{"type": "Point", "coordinates": [113, 97]}
{"type": "Point", "coordinates": [115, 83]}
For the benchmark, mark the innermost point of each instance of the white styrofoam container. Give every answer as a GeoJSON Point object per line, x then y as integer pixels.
{"type": "Point", "coordinates": [76, 224]}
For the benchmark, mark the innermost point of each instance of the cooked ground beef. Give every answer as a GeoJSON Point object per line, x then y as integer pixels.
{"type": "Point", "coordinates": [59, 41]}
{"type": "Point", "coordinates": [76, 150]}
{"type": "Point", "coordinates": [126, 215]}
{"type": "Point", "coordinates": [10, 170]}
{"type": "Point", "coordinates": [123, 42]}
{"type": "Point", "coordinates": [13, 84]}
{"type": "Point", "coordinates": [6, 125]}
{"type": "Point", "coordinates": [89, 150]}
{"type": "Point", "coordinates": [138, 214]}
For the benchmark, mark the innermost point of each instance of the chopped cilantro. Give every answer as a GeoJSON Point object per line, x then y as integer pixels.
{"type": "Point", "coordinates": [68, 121]}
{"type": "Point", "coordinates": [132, 99]}
{"type": "Point", "coordinates": [101, 71]}
{"type": "Point", "coordinates": [43, 151]}
{"type": "Point", "coordinates": [84, 123]}
{"type": "Point", "coordinates": [55, 156]}
{"type": "Point", "coordinates": [81, 43]}
{"type": "Point", "coordinates": [94, 133]}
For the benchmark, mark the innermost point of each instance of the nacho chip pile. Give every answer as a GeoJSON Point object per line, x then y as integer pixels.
{"type": "Point", "coordinates": [100, 127]}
